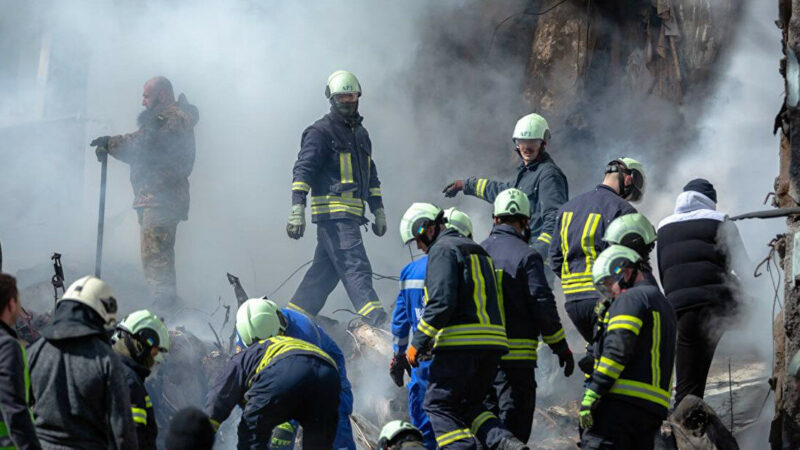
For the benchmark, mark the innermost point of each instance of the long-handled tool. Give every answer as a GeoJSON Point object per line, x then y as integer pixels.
{"type": "Point", "coordinates": [101, 213]}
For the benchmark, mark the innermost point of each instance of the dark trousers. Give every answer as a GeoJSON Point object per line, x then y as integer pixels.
{"type": "Point", "coordinates": [581, 313]}
{"type": "Point", "coordinates": [619, 425]}
{"type": "Point", "coordinates": [298, 387]}
{"type": "Point", "coordinates": [513, 399]}
{"type": "Point", "coordinates": [340, 255]}
{"type": "Point", "coordinates": [698, 336]}
{"type": "Point", "coordinates": [458, 383]}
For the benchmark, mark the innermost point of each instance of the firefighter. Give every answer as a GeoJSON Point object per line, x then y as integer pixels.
{"type": "Point", "coordinates": [81, 398]}
{"type": "Point", "coordinates": [408, 309]}
{"type": "Point", "coordinates": [530, 310]}
{"type": "Point", "coordinates": [141, 340]}
{"type": "Point", "coordinates": [16, 422]}
{"type": "Point", "coordinates": [538, 177]}
{"type": "Point", "coordinates": [297, 325]}
{"type": "Point", "coordinates": [276, 379]}
{"type": "Point", "coordinates": [462, 327]}
{"type": "Point", "coordinates": [633, 231]}
{"type": "Point", "coordinates": [335, 166]}
{"type": "Point", "coordinates": [581, 223]}
{"type": "Point", "coordinates": [628, 393]}
{"type": "Point", "coordinates": [399, 435]}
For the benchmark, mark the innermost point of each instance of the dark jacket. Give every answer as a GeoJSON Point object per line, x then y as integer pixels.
{"type": "Point", "coordinates": [546, 187]}
{"type": "Point", "coordinates": [16, 424]}
{"type": "Point", "coordinates": [581, 224]}
{"type": "Point", "coordinates": [141, 406]}
{"type": "Point", "coordinates": [462, 309]}
{"type": "Point", "coordinates": [335, 164]}
{"type": "Point", "coordinates": [232, 384]}
{"type": "Point", "coordinates": [528, 302]}
{"type": "Point", "coordinates": [161, 155]}
{"type": "Point", "coordinates": [696, 249]}
{"type": "Point", "coordinates": [80, 396]}
{"type": "Point", "coordinates": [636, 351]}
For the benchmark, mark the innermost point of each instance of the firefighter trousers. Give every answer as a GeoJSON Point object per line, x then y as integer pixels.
{"type": "Point", "coordinates": [619, 425]}
{"type": "Point", "coordinates": [458, 383]}
{"type": "Point", "coordinates": [340, 255]}
{"type": "Point", "coordinates": [513, 399]}
{"type": "Point", "coordinates": [297, 387]}
{"type": "Point", "coordinates": [581, 313]}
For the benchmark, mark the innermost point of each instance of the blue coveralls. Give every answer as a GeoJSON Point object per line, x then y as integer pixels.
{"type": "Point", "coordinates": [407, 311]}
{"type": "Point", "coordinates": [299, 326]}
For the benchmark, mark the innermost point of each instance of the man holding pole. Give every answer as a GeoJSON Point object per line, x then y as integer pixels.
{"type": "Point", "coordinates": [161, 156]}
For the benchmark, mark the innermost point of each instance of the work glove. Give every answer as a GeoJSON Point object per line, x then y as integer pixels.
{"type": "Point", "coordinates": [101, 147]}
{"type": "Point", "coordinates": [586, 364]}
{"type": "Point", "coordinates": [296, 225]}
{"type": "Point", "coordinates": [399, 365]}
{"type": "Point", "coordinates": [379, 226]}
{"type": "Point", "coordinates": [588, 405]}
{"type": "Point", "coordinates": [453, 188]}
{"type": "Point", "coordinates": [567, 361]}
{"type": "Point", "coordinates": [416, 355]}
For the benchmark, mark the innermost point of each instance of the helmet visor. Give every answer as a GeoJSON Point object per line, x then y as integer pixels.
{"type": "Point", "coordinates": [605, 287]}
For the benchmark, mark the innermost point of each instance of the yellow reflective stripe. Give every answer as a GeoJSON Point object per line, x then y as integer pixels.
{"type": "Point", "coordinates": [326, 200]}
{"type": "Point", "coordinates": [346, 167]}
{"type": "Point", "coordinates": [375, 192]}
{"type": "Point", "coordinates": [479, 291]}
{"type": "Point", "coordinates": [500, 297]}
{"type": "Point", "coordinates": [555, 337]}
{"type": "Point", "coordinates": [455, 435]}
{"type": "Point", "coordinates": [297, 308]}
{"type": "Point", "coordinates": [465, 329]}
{"type": "Point", "coordinates": [300, 186]}
{"type": "Point", "coordinates": [369, 307]}
{"type": "Point", "coordinates": [425, 296]}
{"type": "Point", "coordinates": [478, 340]}
{"type": "Point", "coordinates": [139, 415]}
{"type": "Point", "coordinates": [478, 422]}
{"type": "Point", "coordinates": [426, 328]}
{"type": "Point", "coordinates": [587, 239]}
{"type": "Point", "coordinates": [580, 288]}
{"type": "Point", "coordinates": [609, 367]}
{"type": "Point", "coordinates": [545, 237]}
{"type": "Point", "coordinates": [337, 208]}
{"type": "Point", "coordinates": [480, 186]}
{"type": "Point", "coordinates": [214, 424]}
{"type": "Point", "coordinates": [655, 352]}
{"type": "Point", "coordinates": [147, 402]}
{"type": "Point", "coordinates": [566, 219]}
{"type": "Point", "coordinates": [583, 276]}
{"type": "Point", "coordinates": [625, 322]}
{"type": "Point", "coordinates": [641, 390]}
{"type": "Point", "coordinates": [282, 344]}
{"type": "Point", "coordinates": [521, 350]}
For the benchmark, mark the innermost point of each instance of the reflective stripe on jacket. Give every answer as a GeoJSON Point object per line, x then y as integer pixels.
{"type": "Point", "coordinates": [636, 351]}
{"type": "Point", "coordinates": [335, 166]}
{"type": "Point", "coordinates": [462, 307]}
{"type": "Point", "coordinates": [16, 420]}
{"type": "Point", "coordinates": [410, 303]}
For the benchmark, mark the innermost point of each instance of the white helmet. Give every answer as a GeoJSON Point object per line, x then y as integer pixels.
{"type": "Point", "coordinates": [459, 221]}
{"type": "Point", "coordinates": [96, 294]}
{"type": "Point", "coordinates": [532, 126]}
{"type": "Point", "coordinates": [416, 218]}
{"type": "Point", "coordinates": [149, 329]}
{"type": "Point", "coordinates": [259, 318]}
{"type": "Point", "coordinates": [342, 82]}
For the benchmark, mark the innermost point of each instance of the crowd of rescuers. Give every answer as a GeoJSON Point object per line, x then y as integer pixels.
{"type": "Point", "coordinates": [467, 324]}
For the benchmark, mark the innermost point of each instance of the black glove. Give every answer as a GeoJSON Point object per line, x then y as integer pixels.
{"type": "Point", "coordinates": [399, 365]}
{"type": "Point", "coordinates": [586, 364]}
{"type": "Point", "coordinates": [567, 361]}
{"type": "Point", "coordinates": [452, 189]}
{"type": "Point", "coordinates": [101, 147]}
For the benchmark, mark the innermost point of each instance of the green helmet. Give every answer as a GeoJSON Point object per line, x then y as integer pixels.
{"type": "Point", "coordinates": [259, 318]}
{"type": "Point", "coordinates": [794, 366]}
{"type": "Point", "coordinates": [342, 82]}
{"type": "Point", "coordinates": [629, 166]}
{"type": "Point", "coordinates": [459, 221]}
{"type": "Point", "coordinates": [394, 429]}
{"type": "Point", "coordinates": [512, 202]}
{"type": "Point", "coordinates": [611, 262]}
{"type": "Point", "coordinates": [633, 231]}
{"type": "Point", "coordinates": [532, 126]}
{"type": "Point", "coordinates": [149, 329]}
{"type": "Point", "coordinates": [417, 218]}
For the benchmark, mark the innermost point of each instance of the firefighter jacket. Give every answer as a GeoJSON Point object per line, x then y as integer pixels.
{"type": "Point", "coordinates": [232, 383]}
{"type": "Point", "coordinates": [335, 165]}
{"type": "Point", "coordinates": [636, 351]}
{"type": "Point", "coordinates": [528, 302]}
{"type": "Point", "coordinates": [546, 187]}
{"type": "Point", "coordinates": [410, 303]}
{"type": "Point", "coordinates": [16, 421]}
{"type": "Point", "coordinates": [462, 307]}
{"type": "Point", "coordinates": [141, 407]}
{"type": "Point", "coordinates": [581, 224]}
{"type": "Point", "coordinates": [161, 156]}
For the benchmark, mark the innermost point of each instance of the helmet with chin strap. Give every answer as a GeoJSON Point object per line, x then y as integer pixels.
{"type": "Point", "coordinates": [634, 191]}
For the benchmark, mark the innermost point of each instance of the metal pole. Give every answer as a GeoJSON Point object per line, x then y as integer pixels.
{"type": "Point", "coordinates": [101, 217]}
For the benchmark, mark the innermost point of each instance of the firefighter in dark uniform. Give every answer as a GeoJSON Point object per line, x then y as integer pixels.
{"type": "Point", "coordinates": [463, 327]}
{"type": "Point", "coordinates": [140, 341]}
{"type": "Point", "coordinates": [335, 165]}
{"type": "Point", "coordinates": [538, 177]}
{"type": "Point", "coordinates": [581, 224]}
{"type": "Point", "coordinates": [530, 310]}
{"type": "Point", "coordinates": [628, 393]}
{"type": "Point", "coordinates": [276, 379]}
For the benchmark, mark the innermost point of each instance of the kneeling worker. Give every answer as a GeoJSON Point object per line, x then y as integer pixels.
{"type": "Point", "coordinates": [278, 379]}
